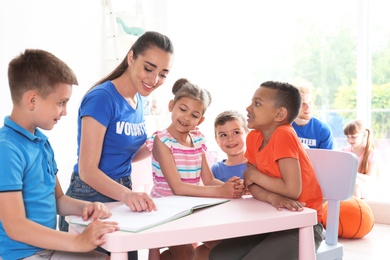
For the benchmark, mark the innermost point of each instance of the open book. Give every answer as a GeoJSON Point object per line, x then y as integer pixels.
{"type": "Point", "coordinates": [168, 208]}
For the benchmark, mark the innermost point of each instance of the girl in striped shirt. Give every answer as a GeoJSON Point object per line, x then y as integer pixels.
{"type": "Point", "coordinates": [179, 158]}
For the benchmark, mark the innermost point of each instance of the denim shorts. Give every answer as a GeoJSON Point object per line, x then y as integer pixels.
{"type": "Point", "coordinates": [82, 191]}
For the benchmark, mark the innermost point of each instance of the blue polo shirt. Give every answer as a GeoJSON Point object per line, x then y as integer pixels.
{"type": "Point", "coordinates": [27, 165]}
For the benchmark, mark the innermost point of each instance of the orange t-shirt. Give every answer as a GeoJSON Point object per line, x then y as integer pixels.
{"type": "Point", "coordinates": [284, 143]}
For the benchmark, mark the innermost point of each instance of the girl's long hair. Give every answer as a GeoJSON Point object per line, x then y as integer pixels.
{"type": "Point", "coordinates": [358, 127]}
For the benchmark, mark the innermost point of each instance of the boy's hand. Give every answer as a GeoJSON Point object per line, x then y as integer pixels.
{"type": "Point", "coordinates": [139, 201]}
{"type": "Point", "coordinates": [95, 210]}
{"type": "Point", "coordinates": [280, 202]}
{"type": "Point", "coordinates": [92, 236]}
{"type": "Point", "coordinates": [235, 187]}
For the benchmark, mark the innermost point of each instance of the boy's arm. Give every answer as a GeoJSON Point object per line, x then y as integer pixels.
{"type": "Point", "coordinates": [70, 206]}
{"type": "Point", "coordinates": [326, 139]}
{"type": "Point", "coordinates": [276, 200]}
{"type": "Point", "coordinates": [19, 228]}
{"type": "Point", "coordinates": [290, 185]}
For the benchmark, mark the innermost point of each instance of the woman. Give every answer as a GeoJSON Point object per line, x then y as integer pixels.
{"type": "Point", "coordinates": [111, 126]}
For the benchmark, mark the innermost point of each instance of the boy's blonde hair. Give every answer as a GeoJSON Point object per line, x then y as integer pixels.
{"type": "Point", "coordinates": [304, 86]}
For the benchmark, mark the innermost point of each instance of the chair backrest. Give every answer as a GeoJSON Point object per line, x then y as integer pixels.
{"type": "Point", "coordinates": [336, 173]}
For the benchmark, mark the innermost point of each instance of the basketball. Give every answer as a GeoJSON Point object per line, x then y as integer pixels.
{"type": "Point", "coordinates": [356, 219]}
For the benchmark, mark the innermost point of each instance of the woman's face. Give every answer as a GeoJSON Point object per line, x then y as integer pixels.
{"type": "Point", "coordinates": [149, 70]}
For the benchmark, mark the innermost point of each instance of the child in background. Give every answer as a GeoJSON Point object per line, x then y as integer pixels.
{"type": "Point", "coordinates": [313, 132]}
{"type": "Point", "coordinates": [179, 158]}
{"type": "Point", "coordinates": [279, 172]}
{"type": "Point", "coordinates": [360, 139]}
{"type": "Point", "coordinates": [230, 133]}
{"type": "Point", "coordinates": [30, 193]}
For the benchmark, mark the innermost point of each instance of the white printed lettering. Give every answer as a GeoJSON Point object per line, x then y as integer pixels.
{"type": "Point", "coordinates": [130, 129]}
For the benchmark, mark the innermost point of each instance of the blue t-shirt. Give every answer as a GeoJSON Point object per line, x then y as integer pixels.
{"type": "Point", "coordinates": [315, 134]}
{"type": "Point", "coordinates": [224, 172]}
{"type": "Point", "coordinates": [27, 165]}
{"type": "Point", "coordinates": [125, 132]}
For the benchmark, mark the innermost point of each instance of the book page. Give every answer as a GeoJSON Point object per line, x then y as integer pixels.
{"type": "Point", "coordinates": [168, 209]}
{"type": "Point", "coordinates": [187, 202]}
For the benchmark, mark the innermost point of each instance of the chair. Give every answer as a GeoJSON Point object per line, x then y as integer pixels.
{"type": "Point", "coordinates": [336, 173]}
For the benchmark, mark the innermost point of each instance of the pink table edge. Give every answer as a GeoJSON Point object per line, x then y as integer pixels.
{"type": "Point", "coordinates": [238, 217]}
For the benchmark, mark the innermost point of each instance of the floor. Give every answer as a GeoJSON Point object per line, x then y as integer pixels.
{"type": "Point", "coordinates": [373, 246]}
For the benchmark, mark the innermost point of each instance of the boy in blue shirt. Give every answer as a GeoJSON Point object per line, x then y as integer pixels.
{"type": "Point", "coordinates": [30, 193]}
{"type": "Point", "coordinates": [230, 133]}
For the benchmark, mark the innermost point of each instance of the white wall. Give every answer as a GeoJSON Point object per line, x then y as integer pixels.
{"type": "Point", "coordinates": [209, 51]}
{"type": "Point", "coordinates": [71, 30]}
{"type": "Point", "coordinates": [224, 46]}
{"type": "Point", "coordinates": [76, 32]}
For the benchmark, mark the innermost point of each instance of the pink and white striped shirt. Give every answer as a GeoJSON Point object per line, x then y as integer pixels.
{"type": "Point", "coordinates": [188, 161]}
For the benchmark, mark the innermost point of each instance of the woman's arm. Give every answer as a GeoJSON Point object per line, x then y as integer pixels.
{"type": "Point", "coordinates": [142, 153]}
{"type": "Point", "coordinates": [91, 143]}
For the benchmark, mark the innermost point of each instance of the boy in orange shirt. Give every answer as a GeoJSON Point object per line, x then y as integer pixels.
{"type": "Point", "coordinates": [279, 172]}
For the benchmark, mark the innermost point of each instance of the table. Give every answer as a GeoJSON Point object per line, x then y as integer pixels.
{"type": "Point", "coordinates": [238, 217]}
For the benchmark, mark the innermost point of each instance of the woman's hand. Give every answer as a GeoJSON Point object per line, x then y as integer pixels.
{"type": "Point", "coordinates": [139, 201]}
